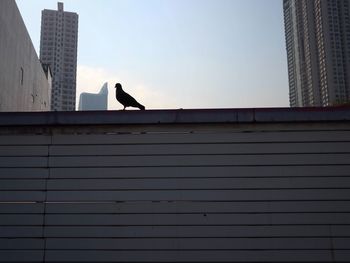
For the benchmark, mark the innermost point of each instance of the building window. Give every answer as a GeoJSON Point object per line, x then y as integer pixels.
{"type": "Point", "coordinates": [21, 76]}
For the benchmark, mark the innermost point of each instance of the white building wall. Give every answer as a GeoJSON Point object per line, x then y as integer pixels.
{"type": "Point", "coordinates": [23, 83]}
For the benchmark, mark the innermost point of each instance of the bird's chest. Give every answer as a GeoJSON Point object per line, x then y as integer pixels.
{"type": "Point", "coordinates": [121, 97]}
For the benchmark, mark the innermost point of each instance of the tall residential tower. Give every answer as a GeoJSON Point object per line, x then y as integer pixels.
{"type": "Point", "coordinates": [318, 49]}
{"type": "Point", "coordinates": [58, 48]}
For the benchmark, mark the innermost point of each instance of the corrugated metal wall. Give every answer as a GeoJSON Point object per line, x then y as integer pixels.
{"type": "Point", "coordinates": [225, 195]}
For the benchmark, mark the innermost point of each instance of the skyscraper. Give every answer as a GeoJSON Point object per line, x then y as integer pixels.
{"type": "Point", "coordinates": [90, 101]}
{"type": "Point", "coordinates": [318, 49]}
{"type": "Point", "coordinates": [58, 48]}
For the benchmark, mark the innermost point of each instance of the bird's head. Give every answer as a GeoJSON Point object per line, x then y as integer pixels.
{"type": "Point", "coordinates": [118, 86]}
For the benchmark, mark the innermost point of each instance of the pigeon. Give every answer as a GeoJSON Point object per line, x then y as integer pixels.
{"type": "Point", "coordinates": [125, 99]}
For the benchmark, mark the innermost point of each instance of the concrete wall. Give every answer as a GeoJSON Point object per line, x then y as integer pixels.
{"type": "Point", "coordinates": [268, 185]}
{"type": "Point", "coordinates": [23, 83]}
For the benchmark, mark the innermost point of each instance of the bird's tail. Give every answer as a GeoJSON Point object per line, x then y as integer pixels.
{"type": "Point", "coordinates": [141, 107]}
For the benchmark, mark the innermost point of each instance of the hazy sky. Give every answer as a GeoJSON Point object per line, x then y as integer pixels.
{"type": "Point", "coordinates": [178, 53]}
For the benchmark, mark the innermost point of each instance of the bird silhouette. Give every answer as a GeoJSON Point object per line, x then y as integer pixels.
{"type": "Point", "coordinates": [125, 99]}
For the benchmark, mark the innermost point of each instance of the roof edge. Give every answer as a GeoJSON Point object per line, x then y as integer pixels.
{"type": "Point", "coordinates": [177, 116]}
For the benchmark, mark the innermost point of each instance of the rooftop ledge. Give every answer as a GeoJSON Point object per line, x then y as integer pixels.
{"type": "Point", "coordinates": [177, 116]}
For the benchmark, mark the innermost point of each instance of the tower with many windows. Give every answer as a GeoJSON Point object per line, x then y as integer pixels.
{"type": "Point", "coordinates": [58, 48]}
{"type": "Point", "coordinates": [318, 49]}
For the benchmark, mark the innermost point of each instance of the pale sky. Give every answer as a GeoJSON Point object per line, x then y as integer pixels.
{"type": "Point", "coordinates": [172, 54]}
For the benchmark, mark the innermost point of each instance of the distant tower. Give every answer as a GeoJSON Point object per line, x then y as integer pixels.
{"type": "Point", "coordinates": [90, 101]}
{"type": "Point", "coordinates": [318, 49]}
{"type": "Point", "coordinates": [58, 48]}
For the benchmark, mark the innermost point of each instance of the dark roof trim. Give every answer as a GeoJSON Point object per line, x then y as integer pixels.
{"type": "Point", "coordinates": [180, 116]}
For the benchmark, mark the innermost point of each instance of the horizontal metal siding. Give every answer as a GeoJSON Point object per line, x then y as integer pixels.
{"type": "Point", "coordinates": [201, 172]}
{"type": "Point", "coordinates": [197, 255]}
{"type": "Point", "coordinates": [23, 174]}
{"type": "Point", "coordinates": [228, 196]}
{"type": "Point", "coordinates": [143, 207]}
{"type": "Point", "coordinates": [185, 195]}
{"type": "Point", "coordinates": [188, 243]}
{"type": "Point", "coordinates": [194, 148]}
{"type": "Point", "coordinates": [213, 231]}
{"type": "Point", "coordinates": [198, 219]}
{"type": "Point", "coordinates": [190, 160]}
{"type": "Point", "coordinates": [181, 183]}
{"type": "Point", "coordinates": [249, 136]}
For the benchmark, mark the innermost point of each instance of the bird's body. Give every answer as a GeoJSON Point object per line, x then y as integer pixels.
{"type": "Point", "coordinates": [125, 99]}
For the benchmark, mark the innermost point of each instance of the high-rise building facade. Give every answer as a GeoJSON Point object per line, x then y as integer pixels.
{"type": "Point", "coordinates": [318, 50]}
{"type": "Point", "coordinates": [58, 48]}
